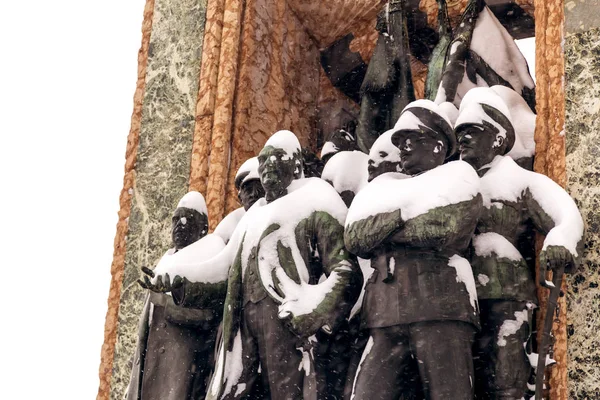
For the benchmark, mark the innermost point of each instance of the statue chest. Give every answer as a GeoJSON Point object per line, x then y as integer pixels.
{"type": "Point", "coordinates": [505, 218]}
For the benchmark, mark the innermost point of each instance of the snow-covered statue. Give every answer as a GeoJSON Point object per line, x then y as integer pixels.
{"type": "Point", "coordinates": [384, 156]}
{"type": "Point", "coordinates": [512, 198]}
{"type": "Point", "coordinates": [523, 120]}
{"type": "Point", "coordinates": [289, 276]}
{"type": "Point", "coordinates": [247, 183]}
{"type": "Point", "coordinates": [482, 54]}
{"type": "Point", "coordinates": [342, 139]}
{"type": "Point", "coordinates": [174, 353]}
{"type": "Point", "coordinates": [420, 301]}
{"type": "Point", "coordinates": [347, 172]}
{"type": "Point", "coordinates": [387, 87]}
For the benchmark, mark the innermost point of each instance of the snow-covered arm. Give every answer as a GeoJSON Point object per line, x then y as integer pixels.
{"type": "Point", "coordinates": [338, 264]}
{"type": "Point", "coordinates": [363, 236]}
{"type": "Point", "coordinates": [555, 214]}
{"type": "Point", "coordinates": [449, 226]}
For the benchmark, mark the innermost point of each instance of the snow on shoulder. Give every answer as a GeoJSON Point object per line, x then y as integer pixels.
{"type": "Point", "coordinates": [228, 224]}
{"type": "Point", "coordinates": [506, 181]}
{"type": "Point", "coordinates": [195, 201]}
{"type": "Point", "coordinates": [447, 184]}
{"type": "Point", "coordinates": [347, 170]}
{"type": "Point", "coordinates": [201, 250]}
{"type": "Point", "coordinates": [285, 140]}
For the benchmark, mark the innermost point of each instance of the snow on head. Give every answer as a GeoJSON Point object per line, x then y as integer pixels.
{"type": "Point", "coordinates": [347, 170]}
{"type": "Point", "coordinates": [195, 201]}
{"type": "Point", "coordinates": [450, 110]}
{"type": "Point", "coordinates": [328, 148]}
{"type": "Point", "coordinates": [523, 121]}
{"type": "Point", "coordinates": [464, 274]}
{"type": "Point", "coordinates": [428, 105]}
{"type": "Point", "coordinates": [384, 150]}
{"type": "Point", "coordinates": [285, 140]}
{"type": "Point", "coordinates": [483, 105]}
{"type": "Point", "coordinates": [449, 183]}
{"type": "Point", "coordinates": [490, 244]}
{"type": "Point", "coordinates": [426, 116]}
{"type": "Point", "coordinates": [247, 171]}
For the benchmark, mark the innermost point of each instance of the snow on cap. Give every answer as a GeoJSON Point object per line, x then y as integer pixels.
{"type": "Point", "coordinates": [247, 171]}
{"type": "Point", "coordinates": [285, 140]}
{"type": "Point", "coordinates": [195, 201]}
{"type": "Point", "coordinates": [384, 144]}
{"type": "Point", "coordinates": [523, 119]}
{"type": "Point", "coordinates": [329, 148]}
{"type": "Point", "coordinates": [426, 116]}
{"type": "Point", "coordinates": [482, 106]}
{"type": "Point", "coordinates": [450, 110]}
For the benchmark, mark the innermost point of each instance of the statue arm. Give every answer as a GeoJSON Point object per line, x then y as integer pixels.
{"type": "Point", "coordinates": [438, 226]}
{"type": "Point", "coordinates": [362, 237]}
{"type": "Point", "coordinates": [554, 214]}
{"type": "Point", "coordinates": [337, 264]}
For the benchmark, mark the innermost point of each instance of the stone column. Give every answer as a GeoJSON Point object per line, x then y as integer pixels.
{"type": "Point", "coordinates": [157, 170]}
{"type": "Point", "coordinates": [582, 131]}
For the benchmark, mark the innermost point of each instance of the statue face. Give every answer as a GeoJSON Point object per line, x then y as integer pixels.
{"type": "Point", "coordinates": [381, 166]}
{"type": "Point", "coordinates": [277, 170]}
{"type": "Point", "coordinates": [477, 145]}
{"type": "Point", "coordinates": [250, 192]}
{"type": "Point", "coordinates": [420, 152]}
{"type": "Point", "coordinates": [187, 226]}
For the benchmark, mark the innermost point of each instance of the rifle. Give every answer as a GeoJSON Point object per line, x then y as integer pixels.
{"type": "Point", "coordinates": [555, 292]}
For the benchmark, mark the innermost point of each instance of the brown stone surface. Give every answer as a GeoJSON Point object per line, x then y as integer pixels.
{"type": "Point", "coordinates": [278, 84]}
{"type": "Point", "coordinates": [223, 111]}
{"type": "Point", "coordinates": [327, 24]}
{"type": "Point", "coordinates": [207, 94]}
{"type": "Point", "coordinates": [550, 148]}
{"type": "Point", "coordinates": [116, 270]}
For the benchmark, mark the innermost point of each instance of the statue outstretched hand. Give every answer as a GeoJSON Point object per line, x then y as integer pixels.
{"type": "Point", "coordinates": [162, 284]}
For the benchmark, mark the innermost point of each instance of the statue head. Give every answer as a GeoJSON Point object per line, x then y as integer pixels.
{"type": "Point", "coordinates": [247, 183]}
{"type": "Point", "coordinates": [342, 139]}
{"type": "Point", "coordinates": [190, 220]}
{"type": "Point", "coordinates": [483, 128]}
{"type": "Point", "coordinates": [383, 156]}
{"type": "Point", "coordinates": [424, 136]}
{"type": "Point", "coordinates": [279, 163]}
{"type": "Point", "coordinates": [347, 173]}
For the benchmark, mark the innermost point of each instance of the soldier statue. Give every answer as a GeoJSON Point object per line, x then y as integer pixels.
{"type": "Point", "coordinates": [513, 197]}
{"type": "Point", "coordinates": [175, 347]}
{"type": "Point", "coordinates": [420, 301]}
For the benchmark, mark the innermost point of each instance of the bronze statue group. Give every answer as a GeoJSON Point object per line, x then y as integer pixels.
{"type": "Point", "coordinates": [405, 271]}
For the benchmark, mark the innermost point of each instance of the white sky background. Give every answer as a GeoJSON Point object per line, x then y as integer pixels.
{"type": "Point", "coordinates": [68, 70]}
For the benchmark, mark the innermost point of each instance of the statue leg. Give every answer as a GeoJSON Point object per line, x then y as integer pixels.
{"type": "Point", "coordinates": [247, 382]}
{"type": "Point", "coordinates": [332, 359]}
{"type": "Point", "coordinates": [443, 350]}
{"type": "Point", "coordinates": [501, 365]}
{"type": "Point", "coordinates": [280, 360]}
{"type": "Point", "coordinates": [384, 360]}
